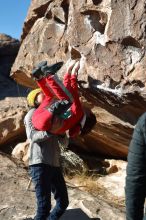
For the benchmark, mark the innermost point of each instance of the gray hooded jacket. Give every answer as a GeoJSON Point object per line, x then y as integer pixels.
{"type": "Point", "coordinates": [44, 147]}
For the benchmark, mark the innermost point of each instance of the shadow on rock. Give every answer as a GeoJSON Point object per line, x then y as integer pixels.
{"type": "Point", "coordinates": [77, 214]}
{"type": "Point", "coordinates": [28, 219]}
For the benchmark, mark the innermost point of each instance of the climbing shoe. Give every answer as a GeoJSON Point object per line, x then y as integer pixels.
{"type": "Point", "coordinates": [51, 69]}
{"type": "Point", "coordinates": [43, 70]}
{"type": "Point", "coordinates": [37, 74]}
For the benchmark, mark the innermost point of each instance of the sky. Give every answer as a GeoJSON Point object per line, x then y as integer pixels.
{"type": "Point", "coordinates": [12, 16]}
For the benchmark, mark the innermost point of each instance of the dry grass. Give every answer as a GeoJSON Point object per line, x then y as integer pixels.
{"type": "Point", "coordinates": [90, 184]}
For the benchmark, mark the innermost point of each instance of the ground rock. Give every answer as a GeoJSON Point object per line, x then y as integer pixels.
{"type": "Point", "coordinates": [114, 182]}
{"type": "Point", "coordinates": [17, 202]}
{"type": "Point", "coordinates": [21, 152]}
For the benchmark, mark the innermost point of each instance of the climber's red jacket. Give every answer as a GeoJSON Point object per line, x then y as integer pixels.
{"type": "Point", "coordinates": [54, 89]}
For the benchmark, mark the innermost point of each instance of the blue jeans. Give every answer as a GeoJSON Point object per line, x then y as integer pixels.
{"type": "Point", "coordinates": [46, 179]}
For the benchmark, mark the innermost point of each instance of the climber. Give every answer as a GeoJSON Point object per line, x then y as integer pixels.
{"type": "Point", "coordinates": [58, 106]}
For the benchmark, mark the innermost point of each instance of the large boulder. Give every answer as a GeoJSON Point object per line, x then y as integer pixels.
{"type": "Point", "coordinates": [12, 95]}
{"type": "Point", "coordinates": [109, 39]}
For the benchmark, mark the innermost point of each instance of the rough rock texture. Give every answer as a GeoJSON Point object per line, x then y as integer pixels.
{"type": "Point", "coordinates": [18, 203]}
{"type": "Point", "coordinates": [11, 120]}
{"type": "Point", "coordinates": [12, 102]}
{"type": "Point", "coordinates": [114, 182]}
{"type": "Point", "coordinates": [21, 152]}
{"type": "Point", "coordinates": [109, 38]}
{"type": "Point", "coordinates": [14, 197]}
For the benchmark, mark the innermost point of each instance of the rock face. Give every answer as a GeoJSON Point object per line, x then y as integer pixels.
{"type": "Point", "coordinates": [12, 103]}
{"type": "Point", "coordinates": [109, 38]}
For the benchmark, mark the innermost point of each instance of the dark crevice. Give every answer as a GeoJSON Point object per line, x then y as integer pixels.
{"type": "Point", "coordinates": [58, 20]}
{"type": "Point", "coordinates": [42, 9]}
{"type": "Point", "coordinates": [137, 83]}
{"type": "Point", "coordinates": [75, 54]}
{"type": "Point", "coordinates": [97, 19]}
{"type": "Point", "coordinates": [96, 2]}
{"type": "Point", "coordinates": [130, 41]}
{"type": "Point", "coordinates": [66, 47]}
{"type": "Point", "coordinates": [145, 29]}
{"type": "Point", "coordinates": [133, 5]}
{"type": "Point", "coordinates": [48, 15]}
{"type": "Point", "coordinates": [65, 6]}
